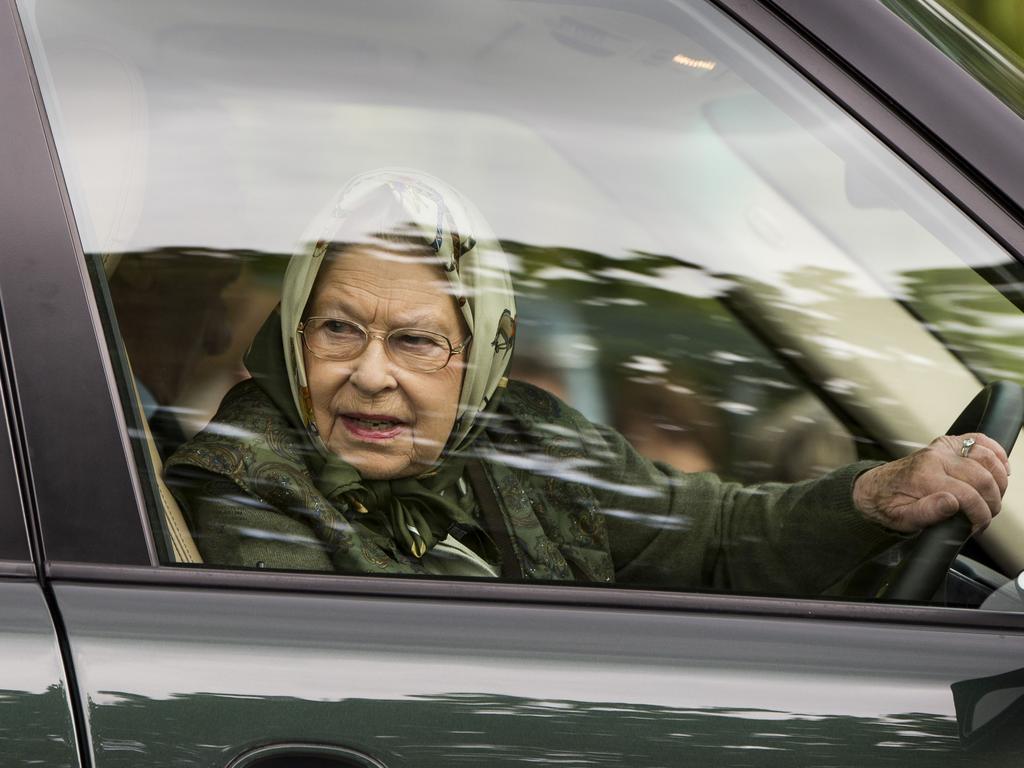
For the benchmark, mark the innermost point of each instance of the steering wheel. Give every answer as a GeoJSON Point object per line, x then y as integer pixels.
{"type": "Point", "coordinates": [996, 411]}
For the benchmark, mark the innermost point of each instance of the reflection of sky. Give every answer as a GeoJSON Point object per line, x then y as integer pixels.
{"type": "Point", "coordinates": [334, 647]}
{"type": "Point", "coordinates": [29, 657]}
{"type": "Point", "coordinates": [185, 124]}
{"type": "Point", "coordinates": [159, 670]}
{"type": "Point", "coordinates": [29, 663]}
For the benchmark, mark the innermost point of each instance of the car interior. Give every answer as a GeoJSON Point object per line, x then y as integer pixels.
{"type": "Point", "coordinates": [710, 257]}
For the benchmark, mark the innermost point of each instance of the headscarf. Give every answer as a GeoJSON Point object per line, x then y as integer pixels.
{"type": "Point", "coordinates": [386, 204]}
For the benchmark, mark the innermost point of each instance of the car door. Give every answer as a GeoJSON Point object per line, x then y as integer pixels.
{"type": "Point", "coordinates": [172, 135]}
{"type": "Point", "coordinates": [36, 694]}
{"type": "Point", "coordinates": [36, 700]}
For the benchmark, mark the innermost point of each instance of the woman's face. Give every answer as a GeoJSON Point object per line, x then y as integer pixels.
{"type": "Point", "coordinates": [382, 419]}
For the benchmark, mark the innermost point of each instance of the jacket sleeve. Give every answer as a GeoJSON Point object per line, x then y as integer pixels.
{"type": "Point", "coordinates": [232, 528]}
{"type": "Point", "coordinates": [695, 530]}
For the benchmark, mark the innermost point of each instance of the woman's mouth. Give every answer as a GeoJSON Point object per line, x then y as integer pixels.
{"type": "Point", "coordinates": [371, 426]}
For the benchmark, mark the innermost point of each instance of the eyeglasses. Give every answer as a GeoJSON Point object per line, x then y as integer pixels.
{"type": "Point", "coordinates": [411, 348]}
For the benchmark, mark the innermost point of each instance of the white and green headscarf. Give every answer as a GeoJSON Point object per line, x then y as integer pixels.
{"type": "Point", "coordinates": [394, 202]}
{"type": "Point", "coordinates": [398, 206]}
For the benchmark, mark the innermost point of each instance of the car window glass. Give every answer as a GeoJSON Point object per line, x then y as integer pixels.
{"type": "Point", "coordinates": [720, 278]}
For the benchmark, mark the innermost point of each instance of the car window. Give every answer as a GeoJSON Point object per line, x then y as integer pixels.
{"type": "Point", "coordinates": [724, 286]}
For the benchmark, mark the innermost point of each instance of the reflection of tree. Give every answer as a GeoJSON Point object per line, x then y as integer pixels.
{"type": "Point", "coordinates": [477, 729]}
{"type": "Point", "coordinates": [708, 337]}
{"type": "Point", "coordinates": [662, 339]}
{"type": "Point", "coordinates": [1003, 18]}
{"type": "Point", "coordinates": [972, 318]}
{"type": "Point", "coordinates": [976, 315]}
{"type": "Point", "coordinates": [35, 729]}
{"type": "Point", "coordinates": [534, 258]}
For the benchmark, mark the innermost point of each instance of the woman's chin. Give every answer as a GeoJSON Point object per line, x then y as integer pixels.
{"type": "Point", "coordinates": [375, 464]}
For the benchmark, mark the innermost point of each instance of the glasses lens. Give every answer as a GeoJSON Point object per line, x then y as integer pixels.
{"type": "Point", "coordinates": [334, 339]}
{"type": "Point", "coordinates": [419, 350]}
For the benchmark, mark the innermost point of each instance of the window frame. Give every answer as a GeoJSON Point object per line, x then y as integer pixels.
{"type": "Point", "coordinates": [16, 538]}
{"type": "Point", "coordinates": [123, 549]}
{"type": "Point", "coordinates": [876, 77]}
{"type": "Point", "coordinates": [72, 454]}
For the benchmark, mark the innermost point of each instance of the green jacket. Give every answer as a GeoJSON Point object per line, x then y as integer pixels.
{"type": "Point", "coordinates": [575, 499]}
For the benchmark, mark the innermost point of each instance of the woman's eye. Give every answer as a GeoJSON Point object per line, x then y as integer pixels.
{"type": "Point", "coordinates": [415, 342]}
{"type": "Point", "coordinates": [341, 329]}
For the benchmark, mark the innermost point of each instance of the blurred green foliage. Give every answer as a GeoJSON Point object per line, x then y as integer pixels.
{"type": "Point", "coordinates": [1003, 18]}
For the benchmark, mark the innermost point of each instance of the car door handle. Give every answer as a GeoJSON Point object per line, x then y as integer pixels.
{"type": "Point", "coordinates": [303, 755]}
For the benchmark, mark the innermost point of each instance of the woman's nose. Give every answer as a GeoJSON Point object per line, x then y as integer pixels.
{"type": "Point", "coordinates": [373, 370]}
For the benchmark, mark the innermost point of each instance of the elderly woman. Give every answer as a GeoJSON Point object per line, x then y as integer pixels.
{"type": "Point", "coordinates": [379, 434]}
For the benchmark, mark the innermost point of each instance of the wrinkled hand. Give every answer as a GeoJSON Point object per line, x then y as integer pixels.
{"type": "Point", "coordinates": [934, 483]}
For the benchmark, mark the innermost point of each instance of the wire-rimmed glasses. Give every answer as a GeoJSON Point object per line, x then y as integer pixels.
{"type": "Point", "coordinates": [414, 349]}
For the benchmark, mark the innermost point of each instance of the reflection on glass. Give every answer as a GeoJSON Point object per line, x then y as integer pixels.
{"type": "Point", "coordinates": [708, 256]}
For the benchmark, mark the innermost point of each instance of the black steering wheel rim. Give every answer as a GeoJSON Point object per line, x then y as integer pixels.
{"type": "Point", "coordinates": [996, 411]}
